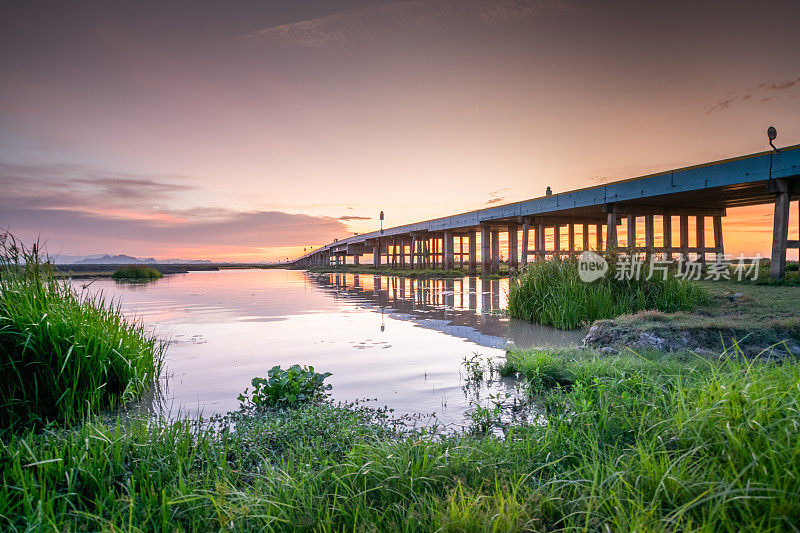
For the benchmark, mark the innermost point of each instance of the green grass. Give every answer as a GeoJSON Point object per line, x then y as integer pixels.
{"type": "Point", "coordinates": [136, 272]}
{"type": "Point", "coordinates": [636, 442]}
{"type": "Point", "coordinates": [64, 354]}
{"type": "Point", "coordinates": [552, 293]}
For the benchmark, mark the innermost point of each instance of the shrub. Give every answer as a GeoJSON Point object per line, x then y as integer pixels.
{"type": "Point", "coordinates": [552, 293]}
{"type": "Point", "coordinates": [64, 354]}
{"type": "Point", "coordinates": [285, 388]}
{"type": "Point", "coordinates": [136, 272]}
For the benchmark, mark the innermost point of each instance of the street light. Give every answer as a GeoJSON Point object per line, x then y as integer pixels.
{"type": "Point", "coordinates": [381, 222]}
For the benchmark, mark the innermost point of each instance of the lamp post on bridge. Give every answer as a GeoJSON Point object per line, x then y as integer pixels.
{"type": "Point", "coordinates": [381, 217]}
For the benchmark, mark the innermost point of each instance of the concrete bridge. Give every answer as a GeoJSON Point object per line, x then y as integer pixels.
{"type": "Point", "coordinates": [589, 218]}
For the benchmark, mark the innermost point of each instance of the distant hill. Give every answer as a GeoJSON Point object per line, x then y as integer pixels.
{"type": "Point", "coordinates": [123, 259]}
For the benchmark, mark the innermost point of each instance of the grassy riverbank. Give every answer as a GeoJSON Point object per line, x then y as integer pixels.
{"type": "Point", "coordinates": [64, 354]}
{"type": "Point", "coordinates": [552, 293]}
{"type": "Point", "coordinates": [633, 442]}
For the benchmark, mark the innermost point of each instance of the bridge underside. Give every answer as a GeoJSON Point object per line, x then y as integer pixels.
{"type": "Point", "coordinates": [665, 224]}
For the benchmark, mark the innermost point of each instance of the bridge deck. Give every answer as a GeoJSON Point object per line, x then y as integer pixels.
{"type": "Point", "coordinates": [734, 182]}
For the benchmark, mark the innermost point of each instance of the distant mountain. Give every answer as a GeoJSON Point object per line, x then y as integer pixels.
{"type": "Point", "coordinates": [123, 259]}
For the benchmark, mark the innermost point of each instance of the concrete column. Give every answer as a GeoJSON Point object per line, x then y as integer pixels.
{"type": "Point", "coordinates": [540, 248]}
{"type": "Point", "coordinates": [461, 251]}
{"type": "Point", "coordinates": [571, 239]}
{"type": "Point", "coordinates": [649, 233]}
{"type": "Point", "coordinates": [598, 235]}
{"type": "Point", "coordinates": [585, 237]}
{"type": "Point", "coordinates": [556, 240]}
{"type": "Point", "coordinates": [513, 249]}
{"type": "Point", "coordinates": [412, 253]}
{"type": "Point", "coordinates": [780, 232]}
{"type": "Point", "coordinates": [473, 252]}
{"type": "Point", "coordinates": [611, 231]}
{"type": "Point", "coordinates": [718, 245]}
{"type": "Point", "coordinates": [447, 247]}
{"type": "Point", "coordinates": [356, 259]}
{"type": "Point", "coordinates": [495, 251]}
{"type": "Point", "coordinates": [684, 236]}
{"type": "Point", "coordinates": [701, 237]}
{"type": "Point", "coordinates": [666, 222]}
{"type": "Point", "coordinates": [526, 228]}
{"type": "Point", "coordinates": [376, 253]}
{"type": "Point", "coordinates": [486, 247]}
{"type": "Point", "coordinates": [631, 232]}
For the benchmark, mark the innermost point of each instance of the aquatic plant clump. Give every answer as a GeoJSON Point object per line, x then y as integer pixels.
{"type": "Point", "coordinates": [136, 272]}
{"type": "Point", "coordinates": [552, 293]}
{"type": "Point", "coordinates": [63, 354]}
{"type": "Point", "coordinates": [285, 388]}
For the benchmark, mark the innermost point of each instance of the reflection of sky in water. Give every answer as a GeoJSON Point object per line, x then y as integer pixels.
{"type": "Point", "coordinates": [398, 340]}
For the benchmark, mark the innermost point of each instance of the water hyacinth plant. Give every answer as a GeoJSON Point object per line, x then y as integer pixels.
{"type": "Point", "coordinates": [285, 388]}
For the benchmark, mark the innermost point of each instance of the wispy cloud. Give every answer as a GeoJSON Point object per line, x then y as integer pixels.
{"type": "Point", "coordinates": [80, 209]}
{"type": "Point", "coordinates": [765, 90]}
{"type": "Point", "coordinates": [377, 21]}
{"type": "Point", "coordinates": [352, 217]}
{"type": "Point", "coordinates": [495, 197]}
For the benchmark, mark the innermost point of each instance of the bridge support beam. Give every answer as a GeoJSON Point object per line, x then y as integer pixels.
{"type": "Point", "coordinates": [486, 247]}
{"type": "Point", "coordinates": [666, 225]}
{"type": "Point", "coordinates": [585, 237]}
{"type": "Point", "coordinates": [376, 253]}
{"type": "Point", "coordinates": [473, 252]}
{"type": "Point", "coordinates": [513, 249]}
{"type": "Point", "coordinates": [447, 248]}
{"type": "Point", "coordinates": [700, 223]}
{"type": "Point", "coordinates": [780, 228]}
{"type": "Point", "coordinates": [571, 239]}
{"type": "Point", "coordinates": [495, 251]}
{"type": "Point", "coordinates": [719, 247]}
{"type": "Point", "coordinates": [556, 240]}
{"type": "Point", "coordinates": [631, 231]}
{"type": "Point", "coordinates": [526, 229]}
{"type": "Point", "coordinates": [611, 232]}
{"type": "Point", "coordinates": [540, 241]}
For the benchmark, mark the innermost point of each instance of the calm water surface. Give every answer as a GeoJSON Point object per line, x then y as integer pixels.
{"type": "Point", "coordinates": [398, 341]}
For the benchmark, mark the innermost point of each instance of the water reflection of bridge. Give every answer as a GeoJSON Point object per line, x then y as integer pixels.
{"type": "Point", "coordinates": [469, 307]}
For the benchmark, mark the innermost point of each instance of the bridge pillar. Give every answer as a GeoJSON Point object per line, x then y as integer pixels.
{"type": "Point", "coordinates": [780, 228]}
{"type": "Point", "coordinates": [513, 250]}
{"type": "Point", "coordinates": [540, 248]}
{"type": "Point", "coordinates": [376, 253]}
{"type": "Point", "coordinates": [585, 237]}
{"type": "Point", "coordinates": [598, 235]}
{"type": "Point", "coordinates": [447, 247]}
{"type": "Point", "coordinates": [700, 222]}
{"type": "Point", "coordinates": [473, 252]}
{"type": "Point", "coordinates": [571, 239]}
{"type": "Point", "coordinates": [356, 259]}
{"type": "Point", "coordinates": [631, 232]}
{"type": "Point", "coordinates": [649, 233]}
{"type": "Point", "coordinates": [556, 240]}
{"type": "Point", "coordinates": [461, 251]}
{"type": "Point", "coordinates": [495, 251]}
{"type": "Point", "coordinates": [666, 224]}
{"type": "Point", "coordinates": [719, 248]}
{"type": "Point", "coordinates": [485, 250]}
{"type": "Point", "coordinates": [684, 236]}
{"type": "Point", "coordinates": [526, 229]}
{"type": "Point", "coordinates": [611, 231]}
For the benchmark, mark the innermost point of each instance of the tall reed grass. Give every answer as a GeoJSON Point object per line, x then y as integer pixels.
{"type": "Point", "coordinates": [552, 293]}
{"type": "Point", "coordinates": [64, 354]}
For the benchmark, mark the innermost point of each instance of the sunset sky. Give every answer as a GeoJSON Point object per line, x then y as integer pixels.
{"type": "Point", "coordinates": [249, 130]}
